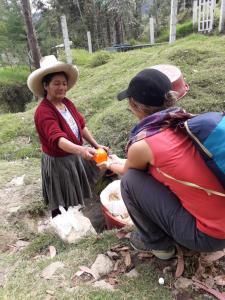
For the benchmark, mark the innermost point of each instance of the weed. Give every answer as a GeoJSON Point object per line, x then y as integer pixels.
{"type": "Point", "coordinates": [100, 58]}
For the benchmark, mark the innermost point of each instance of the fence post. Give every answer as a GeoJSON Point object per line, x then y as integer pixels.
{"type": "Point", "coordinates": [89, 42]}
{"type": "Point", "coordinates": [173, 21]}
{"type": "Point", "coordinates": [222, 16]}
{"type": "Point", "coordinates": [151, 27]}
{"type": "Point", "coordinates": [66, 39]}
{"type": "Point", "coordinates": [195, 12]}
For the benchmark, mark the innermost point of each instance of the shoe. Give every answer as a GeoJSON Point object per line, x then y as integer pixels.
{"type": "Point", "coordinates": [138, 244]}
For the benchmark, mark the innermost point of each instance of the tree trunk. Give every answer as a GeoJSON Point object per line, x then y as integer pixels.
{"type": "Point", "coordinates": [118, 30]}
{"type": "Point", "coordinates": [31, 35]}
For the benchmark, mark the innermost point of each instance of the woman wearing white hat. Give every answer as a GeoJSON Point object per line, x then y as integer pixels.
{"type": "Point", "coordinates": [67, 165]}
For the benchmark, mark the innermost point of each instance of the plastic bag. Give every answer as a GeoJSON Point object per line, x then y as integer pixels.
{"type": "Point", "coordinates": [111, 198]}
{"type": "Point", "coordinates": [71, 225]}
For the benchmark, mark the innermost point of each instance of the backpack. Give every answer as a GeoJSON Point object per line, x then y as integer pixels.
{"type": "Point", "coordinates": [207, 131]}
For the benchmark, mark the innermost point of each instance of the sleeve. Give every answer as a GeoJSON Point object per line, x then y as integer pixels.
{"type": "Point", "coordinates": [48, 128]}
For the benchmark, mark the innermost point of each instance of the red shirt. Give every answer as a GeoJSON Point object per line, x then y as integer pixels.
{"type": "Point", "coordinates": [175, 155]}
{"type": "Point", "coordinates": [50, 126]}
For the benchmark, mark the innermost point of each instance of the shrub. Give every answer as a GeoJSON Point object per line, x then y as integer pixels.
{"type": "Point", "coordinates": [13, 97]}
{"type": "Point", "coordinates": [184, 29]}
{"type": "Point", "coordinates": [100, 58]}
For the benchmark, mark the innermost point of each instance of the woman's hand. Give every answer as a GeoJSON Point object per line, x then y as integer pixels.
{"type": "Point", "coordinates": [87, 153]}
{"type": "Point", "coordinates": [103, 147]}
{"type": "Point", "coordinates": [105, 165]}
{"type": "Point", "coordinates": [115, 159]}
{"type": "Point", "coordinates": [112, 160]}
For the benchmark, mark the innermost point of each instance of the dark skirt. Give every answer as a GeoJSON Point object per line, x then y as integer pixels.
{"type": "Point", "coordinates": [67, 180]}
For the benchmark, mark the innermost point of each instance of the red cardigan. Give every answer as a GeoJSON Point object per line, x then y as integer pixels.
{"type": "Point", "coordinates": [50, 126]}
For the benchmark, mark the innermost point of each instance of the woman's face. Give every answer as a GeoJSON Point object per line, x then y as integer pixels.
{"type": "Point", "coordinates": [57, 88]}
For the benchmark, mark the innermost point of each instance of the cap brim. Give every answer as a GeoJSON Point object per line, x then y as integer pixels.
{"type": "Point", "coordinates": [122, 95]}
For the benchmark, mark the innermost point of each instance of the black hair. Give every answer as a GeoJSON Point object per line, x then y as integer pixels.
{"type": "Point", "coordinates": [48, 78]}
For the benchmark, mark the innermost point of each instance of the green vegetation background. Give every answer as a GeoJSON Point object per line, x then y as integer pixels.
{"type": "Point", "coordinates": [102, 75]}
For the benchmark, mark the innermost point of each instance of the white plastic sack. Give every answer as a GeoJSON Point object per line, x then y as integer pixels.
{"type": "Point", "coordinates": [111, 198]}
{"type": "Point", "coordinates": [71, 225]}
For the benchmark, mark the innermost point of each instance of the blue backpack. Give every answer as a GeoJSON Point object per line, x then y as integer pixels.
{"type": "Point", "coordinates": [207, 130]}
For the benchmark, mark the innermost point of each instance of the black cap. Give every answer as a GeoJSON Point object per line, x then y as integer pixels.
{"type": "Point", "coordinates": [148, 87]}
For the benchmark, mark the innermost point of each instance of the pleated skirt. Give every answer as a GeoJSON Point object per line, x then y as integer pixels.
{"type": "Point", "coordinates": [67, 180]}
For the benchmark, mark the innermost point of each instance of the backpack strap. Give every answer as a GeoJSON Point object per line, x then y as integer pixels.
{"type": "Point", "coordinates": [204, 149]}
{"type": "Point", "coordinates": [208, 191]}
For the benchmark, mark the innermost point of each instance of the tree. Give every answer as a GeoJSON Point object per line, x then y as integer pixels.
{"type": "Point", "coordinates": [12, 33]}
{"type": "Point", "coordinates": [31, 36]}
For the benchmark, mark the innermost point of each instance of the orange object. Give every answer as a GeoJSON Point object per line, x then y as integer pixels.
{"type": "Point", "coordinates": [100, 156]}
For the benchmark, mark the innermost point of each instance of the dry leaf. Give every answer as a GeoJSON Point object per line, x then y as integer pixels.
{"type": "Point", "coordinates": [209, 281]}
{"type": "Point", "coordinates": [200, 268]}
{"type": "Point", "coordinates": [89, 271]}
{"type": "Point", "coordinates": [220, 280]}
{"type": "Point", "coordinates": [116, 266]}
{"type": "Point", "coordinates": [120, 247]}
{"type": "Point", "coordinates": [143, 255]}
{"type": "Point", "coordinates": [214, 292]}
{"type": "Point", "coordinates": [123, 234]}
{"type": "Point", "coordinates": [213, 256]}
{"type": "Point", "coordinates": [52, 251]}
{"type": "Point", "coordinates": [127, 260]}
{"type": "Point", "coordinates": [180, 262]}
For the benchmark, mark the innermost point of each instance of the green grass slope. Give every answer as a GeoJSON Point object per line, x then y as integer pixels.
{"type": "Point", "coordinates": [201, 59]}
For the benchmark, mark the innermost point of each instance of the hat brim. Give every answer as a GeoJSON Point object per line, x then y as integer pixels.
{"type": "Point", "coordinates": [123, 95]}
{"type": "Point", "coordinates": [34, 81]}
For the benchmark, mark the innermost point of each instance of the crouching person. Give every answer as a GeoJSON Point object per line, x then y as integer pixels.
{"type": "Point", "coordinates": [162, 163]}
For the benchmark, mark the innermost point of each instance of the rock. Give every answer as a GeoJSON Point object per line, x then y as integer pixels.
{"type": "Point", "coordinates": [102, 265]}
{"type": "Point", "coordinates": [183, 283]}
{"type": "Point", "coordinates": [49, 271]}
{"type": "Point", "coordinates": [132, 274]}
{"type": "Point", "coordinates": [17, 181]}
{"type": "Point", "coordinates": [103, 285]}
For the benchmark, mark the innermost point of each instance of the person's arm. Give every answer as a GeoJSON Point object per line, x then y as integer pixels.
{"type": "Point", "coordinates": [67, 146]}
{"type": "Point", "coordinates": [90, 139]}
{"type": "Point", "coordinates": [139, 157]}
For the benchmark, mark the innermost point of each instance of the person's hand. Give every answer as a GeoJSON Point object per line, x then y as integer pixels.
{"type": "Point", "coordinates": [105, 165]}
{"type": "Point", "coordinates": [114, 158]}
{"type": "Point", "coordinates": [104, 147]}
{"type": "Point", "coordinates": [87, 153]}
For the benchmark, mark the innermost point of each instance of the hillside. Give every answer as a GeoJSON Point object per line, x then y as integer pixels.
{"type": "Point", "coordinates": [202, 61]}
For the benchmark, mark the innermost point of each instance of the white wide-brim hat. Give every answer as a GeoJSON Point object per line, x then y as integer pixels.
{"type": "Point", "coordinates": [49, 64]}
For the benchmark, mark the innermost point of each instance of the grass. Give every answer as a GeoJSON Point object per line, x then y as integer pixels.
{"type": "Point", "coordinates": [28, 284]}
{"type": "Point", "coordinates": [14, 74]}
